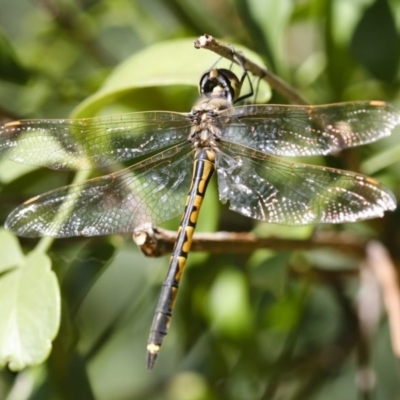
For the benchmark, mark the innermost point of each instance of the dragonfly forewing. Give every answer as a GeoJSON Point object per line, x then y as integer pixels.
{"type": "Point", "coordinates": [270, 189]}
{"type": "Point", "coordinates": [79, 144]}
{"type": "Point", "coordinates": [308, 130]}
{"type": "Point", "coordinates": [151, 191]}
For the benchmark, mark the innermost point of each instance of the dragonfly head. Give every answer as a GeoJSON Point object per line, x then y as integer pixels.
{"type": "Point", "coordinates": [220, 83]}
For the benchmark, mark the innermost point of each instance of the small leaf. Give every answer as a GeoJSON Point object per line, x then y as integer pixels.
{"type": "Point", "coordinates": [29, 312]}
{"type": "Point", "coordinates": [228, 304]}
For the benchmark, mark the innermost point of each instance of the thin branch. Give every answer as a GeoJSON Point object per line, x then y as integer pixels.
{"type": "Point", "coordinates": [369, 313]}
{"type": "Point", "coordinates": [155, 242]}
{"type": "Point", "coordinates": [209, 43]}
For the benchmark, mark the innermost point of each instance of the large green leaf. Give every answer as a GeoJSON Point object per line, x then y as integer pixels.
{"type": "Point", "coordinates": [29, 307]}
{"type": "Point", "coordinates": [169, 63]}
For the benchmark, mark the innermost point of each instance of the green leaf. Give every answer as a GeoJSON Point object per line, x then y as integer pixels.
{"type": "Point", "coordinates": [29, 312]}
{"type": "Point", "coordinates": [228, 304]}
{"type": "Point", "coordinates": [381, 160]}
{"type": "Point", "coordinates": [285, 314]}
{"type": "Point", "coordinates": [269, 271]}
{"type": "Point", "coordinates": [174, 62]}
{"type": "Point", "coordinates": [376, 42]}
{"type": "Point", "coordinates": [273, 18]}
{"type": "Point", "coordinates": [10, 170]}
{"type": "Point", "coordinates": [11, 253]}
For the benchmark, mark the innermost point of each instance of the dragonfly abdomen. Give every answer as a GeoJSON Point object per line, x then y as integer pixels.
{"type": "Point", "coordinates": [202, 172]}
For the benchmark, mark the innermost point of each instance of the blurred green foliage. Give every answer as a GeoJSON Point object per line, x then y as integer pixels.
{"type": "Point", "coordinates": [267, 325]}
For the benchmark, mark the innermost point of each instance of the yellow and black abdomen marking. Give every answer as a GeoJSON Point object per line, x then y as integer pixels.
{"type": "Point", "coordinates": [202, 171]}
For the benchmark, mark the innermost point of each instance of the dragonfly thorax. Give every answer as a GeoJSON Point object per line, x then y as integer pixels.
{"type": "Point", "coordinates": [205, 131]}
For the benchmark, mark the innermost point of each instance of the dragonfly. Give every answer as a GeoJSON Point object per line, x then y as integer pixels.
{"type": "Point", "coordinates": [173, 157]}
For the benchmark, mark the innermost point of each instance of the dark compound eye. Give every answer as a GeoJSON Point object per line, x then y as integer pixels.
{"type": "Point", "coordinates": [220, 83]}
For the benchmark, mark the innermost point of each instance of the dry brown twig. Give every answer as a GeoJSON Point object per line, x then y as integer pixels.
{"type": "Point", "coordinates": [379, 261]}
{"type": "Point", "coordinates": [155, 242]}
{"type": "Point", "coordinates": [209, 43]}
{"type": "Point", "coordinates": [379, 291]}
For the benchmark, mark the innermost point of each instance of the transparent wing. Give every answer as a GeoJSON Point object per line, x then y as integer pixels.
{"type": "Point", "coordinates": [84, 143]}
{"type": "Point", "coordinates": [308, 130]}
{"type": "Point", "coordinates": [151, 191]}
{"type": "Point", "coordinates": [267, 188]}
